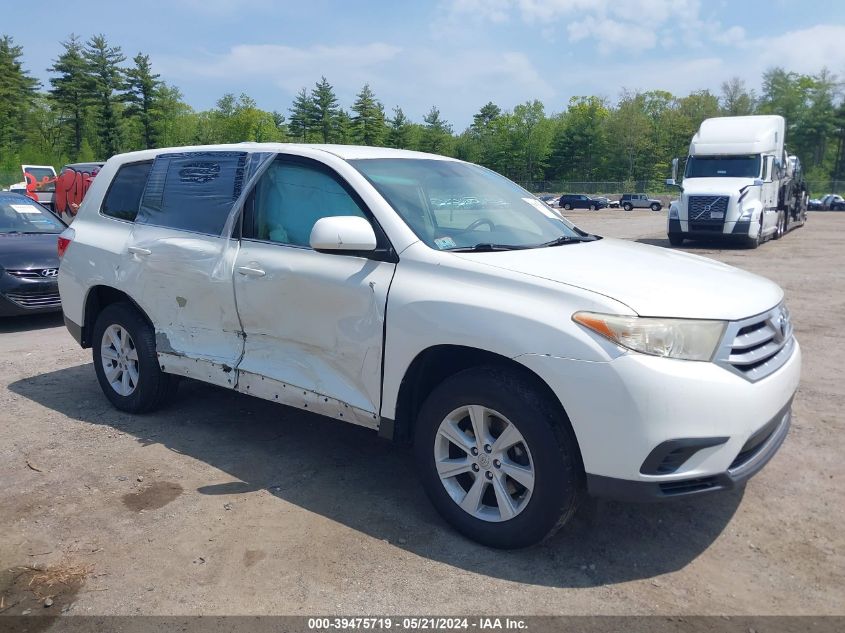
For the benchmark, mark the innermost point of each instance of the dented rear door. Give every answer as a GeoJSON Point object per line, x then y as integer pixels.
{"type": "Point", "coordinates": [179, 267]}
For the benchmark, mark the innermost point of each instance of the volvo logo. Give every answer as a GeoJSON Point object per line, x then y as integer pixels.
{"type": "Point", "coordinates": [50, 272]}
{"type": "Point", "coordinates": [707, 208]}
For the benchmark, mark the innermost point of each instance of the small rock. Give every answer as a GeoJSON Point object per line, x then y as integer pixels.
{"type": "Point", "coordinates": [122, 478]}
{"type": "Point", "coordinates": [227, 506]}
{"type": "Point", "coordinates": [150, 588]}
{"type": "Point", "coordinates": [140, 478]}
{"type": "Point", "coordinates": [200, 561]}
{"type": "Point", "coordinates": [66, 608]}
{"type": "Point", "coordinates": [26, 611]}
{"type": "Point", "coordinates": [48, 602]}
{"type": "Point", "coordinates": [39, 566]}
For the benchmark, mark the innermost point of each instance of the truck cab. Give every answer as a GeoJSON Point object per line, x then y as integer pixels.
{"type": "Point", "coordinates": [732, 181]}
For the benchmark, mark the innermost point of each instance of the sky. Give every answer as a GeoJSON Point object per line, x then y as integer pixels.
{"type": "Point", "coordinates": [455, 54]}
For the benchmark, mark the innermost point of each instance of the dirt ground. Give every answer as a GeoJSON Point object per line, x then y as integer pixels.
{"type": "Point", "coordinates": [223, 504]}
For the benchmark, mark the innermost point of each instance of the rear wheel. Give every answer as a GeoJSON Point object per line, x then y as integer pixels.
{"type": "Point", "coordinates": [627, 206]}
{"type": "Point", "coordinates": [656, 207]}
{"type": "Point", "coordinates": [125, 360]}
{"type": "Point", "coordinates": [567, 206]}
{"type": "Point", "coordinates": [495, 458]}
{"type": "Point", "coordinates": [594, 207]}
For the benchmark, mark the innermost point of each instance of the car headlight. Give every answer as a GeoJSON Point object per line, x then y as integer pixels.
{"type": "Point", "coordinates": [686, 339]}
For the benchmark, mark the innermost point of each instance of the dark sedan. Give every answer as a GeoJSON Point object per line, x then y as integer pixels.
{"type": "Point", "coordinates": [29, 263]}
{"type": "Point", "coordinates": [578, 201]}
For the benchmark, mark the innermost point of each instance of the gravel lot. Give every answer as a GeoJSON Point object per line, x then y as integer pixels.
{"type": "Point", "coordinates": [223, 504]}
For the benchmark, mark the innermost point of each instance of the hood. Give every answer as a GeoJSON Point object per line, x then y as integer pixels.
{"type": "Point", "coordinates": [29, 251]}
{"type": "Point", "coordinates": [723, 186]}
{"type": "Point", "coordinates": [652, 281]}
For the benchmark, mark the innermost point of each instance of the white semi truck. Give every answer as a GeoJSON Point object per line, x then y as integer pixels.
{"type": "Point", "coordinates": [739, 183]}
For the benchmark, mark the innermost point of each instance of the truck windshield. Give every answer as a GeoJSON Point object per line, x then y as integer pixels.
{"type": "Point", "coordinates": [740, 166]}
{"type": "Point", "coordinates": [454, 205]}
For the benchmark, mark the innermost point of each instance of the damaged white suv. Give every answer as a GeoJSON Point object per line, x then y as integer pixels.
{"type": "Point", "coordinates": [528, 361]}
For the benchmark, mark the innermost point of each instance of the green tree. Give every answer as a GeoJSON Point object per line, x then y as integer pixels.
{"type": "Point", "coordinates": [303, 119]}
{"type": "Point", "coordinates": [72, 91]}
{"type": "Point", "coordinates": [107, 79]}
{"type": "Point", "coordinates": [737, 100]}
{"type": "Point", "coordinates": [368, 121]}
{"type": "Point", "coordinates": [437, 133]}
{"type": "Point", "coordinates": [580, 143]}
{"type": "Point", "coordinates": [17, 93]}
{"type": "Point", "coordinates": [399, 130]}
{"type": "Point", "coordinates": [325, 110]}
{"type": "Point", "coordinates": [141, 91]}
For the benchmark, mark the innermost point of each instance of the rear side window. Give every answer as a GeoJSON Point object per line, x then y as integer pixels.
{"type": "Point", "coordinates": [124, 195]}
{"type": "Point", "coordinates": [193, 191]}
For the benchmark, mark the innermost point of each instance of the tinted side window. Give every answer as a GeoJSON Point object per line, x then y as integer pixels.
{"type": "Point", "coordinates": [124, 195]}
{"type": "Point", "coordinates": [193, 191]}
{"type": "Point", "coordinates": [290, 198]}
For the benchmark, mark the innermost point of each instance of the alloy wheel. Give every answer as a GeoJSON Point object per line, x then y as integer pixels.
{"type": "Point", "coordinates": [120, 360]}
{"type": "Point", "coordinates": [484, 463]}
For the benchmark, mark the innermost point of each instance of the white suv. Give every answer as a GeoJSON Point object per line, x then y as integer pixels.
{"type": "Point", "coordinates": [528, 361]}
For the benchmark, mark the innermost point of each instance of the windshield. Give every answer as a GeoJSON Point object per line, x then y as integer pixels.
{"type": "Point", "coordinates": [745, 166]}
{"type": "Point", "coordinates": [452, 205]}
{"type": "Point", "coordinates": [20, 215]}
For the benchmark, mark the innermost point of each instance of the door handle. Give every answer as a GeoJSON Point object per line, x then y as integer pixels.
{"type": "Point", "coordinates": [137, 250]}
{"type": "Point", "coordinates": [251, 272]}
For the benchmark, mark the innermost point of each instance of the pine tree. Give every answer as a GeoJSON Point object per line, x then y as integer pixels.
{"type": "Point", "coordinates": [72, 91]}
{"type": "Point", "coordinates": [302, 117]}
{"type": "Point", "coordinates": [368, 124]}
{"type": "Point", "coordinates": [141, 90]}
{"type": "Point", "coordinates": [399, 130]}
{"type": "Point", "coordinates": [437, 133]}
{"type": "Point", "coordinates": [103, 62]}
{"type": "Point", "coordinates": [326, 111]}
{"type": "Point", "coordinates": [17, 93]}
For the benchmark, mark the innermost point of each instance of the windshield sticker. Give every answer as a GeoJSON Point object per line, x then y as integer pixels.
{"type": "Point", "coordinates": [25, 208]}
{"type": "Point", "coordinates": [444, 242]}
{"type": "Point", "coordinates": [542, 208]}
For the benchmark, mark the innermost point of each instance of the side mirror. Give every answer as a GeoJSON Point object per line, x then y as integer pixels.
{"type": "Point", "coordinates": [343, 233]}
{"type": "Point", "coordinates": [674, 171]}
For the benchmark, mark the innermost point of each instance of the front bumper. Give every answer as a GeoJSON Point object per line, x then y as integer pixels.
{"type": "Point", "coordinates": [738, 230]}
{"type": "Point", "coordinates": [624, 409]}
{"type": "Point", "coordinates": [27, 296]}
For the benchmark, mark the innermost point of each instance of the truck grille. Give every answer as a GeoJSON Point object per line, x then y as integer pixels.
{"type": "Point", "coordinates": [758, 346]}
{"type": "Point", "coordinates": [702, 210]}
{"type": "Point", "coordinates": [36, 299]}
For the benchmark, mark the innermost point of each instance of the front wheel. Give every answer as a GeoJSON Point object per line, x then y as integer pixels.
{"type": "Point", "coordinates": [496, 459]}
{"type": "Point", "coordinates": [754, 242]}
{"type": "Point", "coordinates": [125, 360]}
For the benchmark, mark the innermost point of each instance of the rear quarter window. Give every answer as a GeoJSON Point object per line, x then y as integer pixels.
{"type": "Point", "coordinates": [124, 194]}
{"type": "Point", "coordinates": [193, 191]}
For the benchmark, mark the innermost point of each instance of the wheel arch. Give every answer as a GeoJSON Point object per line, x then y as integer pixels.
{"type": "Point", "coordinates": [437, 363]}
{"type": "Point", "coordinates": [97, 299]}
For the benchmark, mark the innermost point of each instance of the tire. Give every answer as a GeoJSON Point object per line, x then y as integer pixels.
{"type": "Point", "coordinates": [780, 230]}
{"type": "Point", "coordinates": [148, 386]}
{"type": "Point", "coordinates": [627, 207]}
{"type": "Point", "coordinates": [675, 239]}
{"type": "Point", "coordinates": [754, 242]}
{"type": "Point", "coordinates": [547, 448]}
{"type": "Point", "coordinates": [656, 207]}
{"type": "Point", "coordinates": [567, 206]}
{"type": "Point", "coordinates": [593, 207]}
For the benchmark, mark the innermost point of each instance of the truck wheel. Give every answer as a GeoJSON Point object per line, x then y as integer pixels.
{"type": "Point", "coordinates": [675, 239]}
{"type": "Point", "coordinates": [496, 459]}
{"type": "Point", "coordinates": [656, 207]}
{"type": "Point", "coordinates": [779, 229]}
{"type": "Point", "coordinates": [627, 206]}
{"type": "Point", "coordinates": [754, 242]}
{"type": "Point", "coordinates": [125, 360]}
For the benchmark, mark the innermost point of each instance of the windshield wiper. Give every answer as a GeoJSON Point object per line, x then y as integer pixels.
{"type": "Point", "coordinates": [485, 247]}
{"type": "Point", "coordinates": [566, 239]}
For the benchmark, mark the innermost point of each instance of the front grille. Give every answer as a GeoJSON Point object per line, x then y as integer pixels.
{"type": "Point", "coordinates": [33, 273]}
{"type": "Point", "coordinates": [707, 213]}
{"type": "Point", "coordinates": [687, 486]}
{"type": "Point", "coordinates": [36, 299]}
{"type": "Point", "coordinates": [758, 346]}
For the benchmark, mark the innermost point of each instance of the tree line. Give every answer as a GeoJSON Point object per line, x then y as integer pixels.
{"type": "Point", "coordinates": [98, 103]}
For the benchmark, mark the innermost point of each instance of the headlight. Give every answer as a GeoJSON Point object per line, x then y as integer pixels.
{"type": "Point", "coordinates": [673, 212]}
{"type": "Point", "coordinates": [687, 339]}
